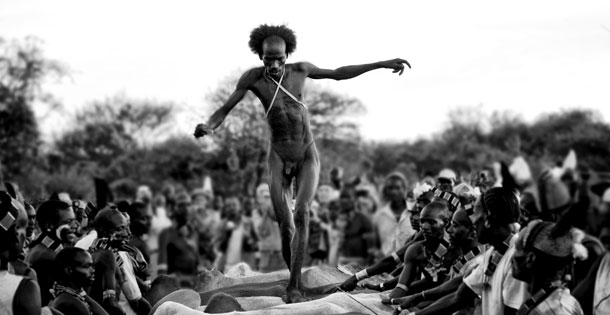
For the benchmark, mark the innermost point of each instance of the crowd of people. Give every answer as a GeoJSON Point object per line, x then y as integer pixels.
{"type": "Point", "coordinates": [491, 245]}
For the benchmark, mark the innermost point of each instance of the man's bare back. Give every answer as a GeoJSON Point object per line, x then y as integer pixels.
{"type": "Point", "coordinates": [293, 154]}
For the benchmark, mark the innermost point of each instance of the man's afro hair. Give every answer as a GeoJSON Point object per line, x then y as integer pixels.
{"type": "Point", "coordinates": [259, 34]}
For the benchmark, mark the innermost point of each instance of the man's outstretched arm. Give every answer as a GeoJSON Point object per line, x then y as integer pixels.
{"type": "Point", "coordinates": [448, 304]}
{"type": "Point", "coordinates": [348, 72]}
{"type": "Point", "coordinates": [384, 265]}
{"type": "Point", "coordinates": [432, 294]}
{"type": "Point", "coordinates": [219, 116]}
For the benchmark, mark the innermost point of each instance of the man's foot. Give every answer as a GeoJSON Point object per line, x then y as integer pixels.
{"type": "Point", "coordinates": [294, 296]}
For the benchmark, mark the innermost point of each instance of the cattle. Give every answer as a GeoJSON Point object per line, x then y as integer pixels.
{"type": "Point", "coordinates": [262, 294]}
{"type": "Point", "coordinates": [336, 303]}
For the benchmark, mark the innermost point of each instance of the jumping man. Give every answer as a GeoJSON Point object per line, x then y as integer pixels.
{"type": "Point", "coordinates": [293, 153]}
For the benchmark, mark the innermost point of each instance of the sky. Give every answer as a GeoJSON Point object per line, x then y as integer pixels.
{"type": "Point", "coordinates": [526, 57]}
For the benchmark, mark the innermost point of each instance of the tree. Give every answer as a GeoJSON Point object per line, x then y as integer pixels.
{"type": "Point", "coordinates": [23, 69]}
{"type": "Point", "coordinates": [107, 133]}
{"type": "Point", "coordinates": [474, 140]}
{"type": "Point", "coordinates": [553, 135]}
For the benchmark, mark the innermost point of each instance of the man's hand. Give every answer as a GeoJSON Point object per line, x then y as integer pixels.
{"type": "Point", "coordinates": [397, 293]}
{"type": "Point", "coordinates": [374, 287]}
{"type": "Point", "coordinates": [349, 284]}
{"type": "Point", "coordinates": [400, 311]}
{"type": "Point", "coordinates": [397, 64]}
{"type": "Point", "coordinates": [410, 301]}
{"type": "Point", "coordinates": [202, 130]}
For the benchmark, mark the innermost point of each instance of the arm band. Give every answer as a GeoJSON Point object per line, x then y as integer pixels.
{"type": "Point", "coordinates": [402, 286]}
{"type": "Point", "coordinates": [362, 274]}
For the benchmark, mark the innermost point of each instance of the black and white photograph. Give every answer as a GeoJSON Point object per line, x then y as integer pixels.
{"type": "Point", "coordinates": [303, 158]}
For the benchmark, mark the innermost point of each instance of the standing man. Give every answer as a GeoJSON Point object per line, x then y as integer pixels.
{"type": "Point", "coordinates": [292, 153]}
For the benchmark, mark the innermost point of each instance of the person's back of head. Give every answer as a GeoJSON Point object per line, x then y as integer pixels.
{"type": "Point", "coordinates": [104, 223]}
{"type": "Point", "coordinates": [554, 247]}
{"type": "Point", "coordinates": [47, 215]}
{"type": "Point", "coordinates": [66, 258]}
{"type": "Point", "coordinates": [440, 207]}
{"type": "Point", "coordinates": [451, 199]}
{"type": "Point", "coordinates": [501, 205]}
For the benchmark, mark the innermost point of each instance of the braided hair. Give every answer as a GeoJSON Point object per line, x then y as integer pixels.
{"type": "Point", "coordinates": [502, 205]}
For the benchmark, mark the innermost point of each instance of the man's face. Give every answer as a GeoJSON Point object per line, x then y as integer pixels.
{"type": "Point", "coordinates": [263, 199]}
{"type": "Point", "coordinates": [445, 184]}
{"type": "Point", "coordinates": [432, 224]}
{"type": "Point", "coordinates": [120, 230]}
{"type": "Point", "coordinates": [415, 212]}
{"type": "Point", "coordinates": [140, 224]}
{"type": "Point", "coordinates": [342, 221]}
{"type": "Point", "coordinates": [324, 194]}
{"type": "Point", "coordinates": [346, 202]}
{"type": "Point", "coordinates": [274, 56]}
{"type": "Point", "coordinates": [395, 190]}
{"type": "Point", "coordinates": [84, 273]}
{"type": "Point", "coordinates": [20, 228]}
{"type": "Point", "coordinates": [181, 214]}
{"type": "Point", "coordinates": [248, 206]}
{"type": "Point", "coordinates": [231, 209]}
{"type": "Point", "coordinates": [460, 227]}
{"type": "Point", "coordinates": [482, 224]}
{"type": "Point", "coordinates": [79, 208]}
{"type": "Point", "coordinates": [200, 203]}
{"type": "Point", "coordinates": [67, 218]}
{"type": "Point", "coordinates": [365, 204]}
{"type": "Point", "coordinates": [31, 226]}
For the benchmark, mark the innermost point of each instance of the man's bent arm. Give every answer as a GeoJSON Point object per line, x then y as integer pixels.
{"type": "Point", "coordinates": [387, 264]}
{"type": "Point", "coordinates": [406, 276]}
{"type": "Point", "coordinates": [348, 72]}
{"type": "Point", "coordinates": [458, 300]}
{"type": "Point", "coordinates": [240, 91]}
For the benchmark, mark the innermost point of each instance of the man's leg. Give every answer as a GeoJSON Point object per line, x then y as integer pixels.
{"type": "Point", "coordinates": [307, 182]}
{"type": "Point", "coordinates": [281, 197]}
